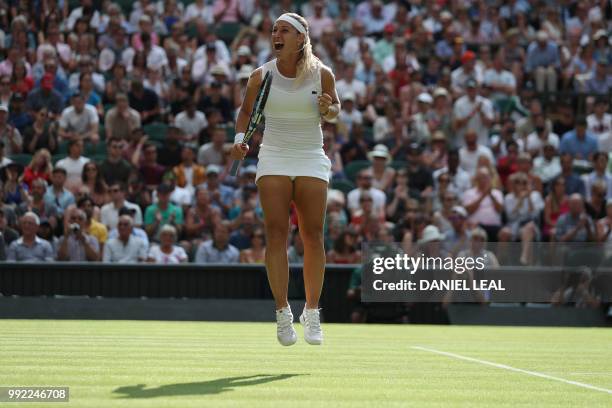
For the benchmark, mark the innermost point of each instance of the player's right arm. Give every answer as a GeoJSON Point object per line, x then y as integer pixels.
{"type": "Point", "coordinates": [242, 121]}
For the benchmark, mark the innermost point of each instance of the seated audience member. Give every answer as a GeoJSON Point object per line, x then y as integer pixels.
{"type": "Point", "coordinates": [221, 195]}
{"type": "Point", "coordinates": [201, 218]}
{"type": "Point", "coordinates": [575, 225]}
{"type": "Point", "coordinates": [73, 164]}
{"type": "Point", "coordinates": [579, 143]}
{"type": "Point", "coordinates": [29, 247]}
{"type": "Point", "coordinates": [383, 174]}
{"type": "Point", "coordinates": [162, 213]}
{"type": "Point", "coordinates": [215, 151]}
{"type": "Point", "coordinates": [548, 165]}
{"type": "Point", "coordinates": [595, 206]}
{"type": "Point", "coordinates": [555, 205]}
{"type": "Point", "coordinates": [345, 249]}
{"type": "Point", "coordinates": [522, 207]}
{"type": "Point", "coordinates": [109, 214]}
{"type": "Point", "coordinates": [166, 252]}
{"type": "Point", "coordinates": [600, 173]}
{"type": "Point", "coordinates": [77, 245]}
{"type": "Point", "coordinates": [256, 253]}
{"type": "Point", "coordinates": [121, 120]}
{"type": "Point", "coordinates": [114, 168]}
{"type": "Point", "coordinates": [93, 226]}
{"type": "Point", "coordinates": [125, 248]}
{"type": "Point", "coordinates": [460, 180]}
{"type": "Point", "coordinates": [468, 154]}
{"type": "Point", "coordinates": [295, 253]}
{"type": "Point", "coordinates": [41, 134]}
{"type": "Point", "coordinates": [188, 173]}
{"type": "Point", "coordinates": [136, 231]}
{"type": "Point", "coordinates": [457, 238]}
{"type": "Point", "coordinates": [573, 182]}
{"type": "Point", "coordinates": [484, 204]}
{"type": "Point", "coordinates": [604, 225]}
{"type": "Point", "coordinates": [79, 121]}
{"type": "Point", "coordinates": [38, 205]}
{"type": "Point", "coordinates": [191, 122]}
{"type": "Point", "coordinates": [245, 225]}
{"type": "Point", "coordinates": [91, 178]}
{"type": "Point", "coordinates": [150, 170]}
{"type": "Point", "coordinates": [364, 184]}
{"type": "Point", "coordinates": [40, 167]}
{"type": "Point", "coordinates": [218, 249]}
{"type": "Point", "coordinates": [56, 194]}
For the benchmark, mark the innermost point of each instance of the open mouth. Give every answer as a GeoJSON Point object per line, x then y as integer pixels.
{"type": "Point", "coordinates": [278, 46]}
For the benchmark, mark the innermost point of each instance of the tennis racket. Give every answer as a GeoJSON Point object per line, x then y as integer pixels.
{"type": "Point", "coordinates": [256, 115]}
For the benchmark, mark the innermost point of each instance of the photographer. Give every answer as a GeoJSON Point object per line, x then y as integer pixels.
{"type": "Point", "coordinates": [76, 245]}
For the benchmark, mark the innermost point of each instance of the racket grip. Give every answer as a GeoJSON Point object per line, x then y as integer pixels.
{"type": "Point", "coordinates": [234, 169]}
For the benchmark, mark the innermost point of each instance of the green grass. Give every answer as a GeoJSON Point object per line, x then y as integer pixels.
{"type": "Point", "coordinates": [178, 364]}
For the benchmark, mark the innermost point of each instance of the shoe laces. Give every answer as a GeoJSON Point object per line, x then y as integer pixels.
{"type": "Point", "coordinates": [284, 319]}
{"type": "Point", "coordinates": [312, 319]}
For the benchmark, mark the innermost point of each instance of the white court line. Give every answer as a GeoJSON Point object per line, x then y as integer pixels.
{"type": "Point", "coordinates": [507, 367]}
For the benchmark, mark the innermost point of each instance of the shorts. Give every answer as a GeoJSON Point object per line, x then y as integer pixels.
{"type": "Point", "coordinates": [307, 164]}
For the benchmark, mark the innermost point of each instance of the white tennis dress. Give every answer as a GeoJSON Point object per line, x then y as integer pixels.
{"type": "Point", "coordinates": [292, 140]}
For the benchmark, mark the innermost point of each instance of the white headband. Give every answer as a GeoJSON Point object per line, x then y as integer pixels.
{"type": "Point", "coordinates": [298, 26]}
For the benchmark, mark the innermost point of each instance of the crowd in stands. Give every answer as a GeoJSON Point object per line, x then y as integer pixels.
{"type": "Point", "coordinates": [461, 121]}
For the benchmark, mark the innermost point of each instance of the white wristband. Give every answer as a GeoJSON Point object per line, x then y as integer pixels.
{"type": "Point", "coordinates": [239, 137]}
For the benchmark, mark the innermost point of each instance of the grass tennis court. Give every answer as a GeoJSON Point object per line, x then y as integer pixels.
{"type": "Point", "coordinates": [178, 364]}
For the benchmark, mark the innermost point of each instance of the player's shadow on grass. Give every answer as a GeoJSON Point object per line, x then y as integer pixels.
{"type": "Point", "coordinates": [198, 388]}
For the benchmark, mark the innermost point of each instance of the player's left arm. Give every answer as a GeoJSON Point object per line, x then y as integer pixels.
{"type": "Point", "coordinates": [329, 103]}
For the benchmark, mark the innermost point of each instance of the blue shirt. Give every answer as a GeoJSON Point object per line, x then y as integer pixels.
{"type": "Point", "coordinates": [40, 251]}
{"type": "Point", "coordinates": [61, 201]}
{"type": "Point", "coordinates": [538, 57]}
{"type": "Point", "coordinates": [578, 147]}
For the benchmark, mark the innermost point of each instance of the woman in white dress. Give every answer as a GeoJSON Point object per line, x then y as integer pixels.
{"type": "Point", "coordinates": [166, 252]}
{"type": "Point", "coordinates": [293, 165]}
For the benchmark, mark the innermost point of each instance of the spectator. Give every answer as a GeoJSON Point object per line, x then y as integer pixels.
{"type": "Point", "coordinates": [419, 176]}
{"type": "Point", "coordinates": [9, 134]}
{"type": "Point", "coordinates": [45, 96]}
{"type": "Point", "coordinates": [543, 62]}
{"type": "Point", "coordinates": [121, 120]}
{"type": "Point", "coordinates": [522, 207]}
{"type": "Point", "coordinates": [221, 196]}
{"type": "Point", "coordinates": [215, 151]}
{"type": "Point", "coordinates": [540, 136]}
{"type": "Point", "coordinates": [600, 124]}
{"type": "Point", "coordinates": [580, 143]}
{"type": "Point", "coordinates": [114, 168]}
{"type": "Point", "coordinates": [150, 170]}
{"type": "Point", "coordinates": [256, 253]}
{"type": "Point", "coordinates": [469, 74]}
{"type": "Point", "coordinates": [601, 81]}
{"type": "Point", "coordinates": [383, 174]}
{"type": "Point", "coordinates": [166, 252]}
{"type": "Point", "coordinates": [214, 99]}
{"type": "Point", "coordinates": [144, 101]}
{"type": "Point", "coordinates": [600, 174]}
{"type": "Point", "coordinates": [125, 248]}
{"type": "Point", "coordinates": [555, 205]}
{"type": "Point", "coordinates": [484, 204]}
{"type": "Point", "coordinates": [109, 214]}
{"type": "Point", "coordinates": [547, 166]}
{"type": "Point", "coordinates": [191, 122]}
{"type": "Point", "coordinates": [218, 250]}
{"type": "Point", "coordinates": [457, 238]}
{"type": "Point", "coordinates": [245, 227]}
{"type": "Point", "coordinates": [136, 231]}
{"type": "Point", "coordinates": [91, 178]}
{"type": "Point", "coordinates": [472, 113]}
{"type": "Point", "coordinates": [170, 153]}
{"type": "Point", "coordinates": [575, 225]}
{"type": "Point", "coordinates": [40, 167]}
{"type": "Point", "coordinates": [469, 154]}
{"type": "Point", "coordinates": [91, 225]}
{"type": "Point", "coordinates": [42, 134]}
{"type": "Point", "coordinates": [73, 164]}
{"type": "Point", "coordinates": [79, 121]}
{"type": "Point", "coordinates": [573, 182]}
{"type": "Point", "coordinates": [349, 114]}
{"type": "Point", "coordinates": [29, 247]}
{"type": "Point", "coordinates": [345, 250]}
{"type": "Point", "coordinates": [14, 190]}
{"type": "Point", "coordinates": [58, 195]}
{"type": "Point", "coordinates": [3, 159]}
{"type": "Point", "coordinates": [77, 245]}
{"type": "Point", "coordinates": [7, 234]}
{"type": "Point", "coordinates": [604, 225]}
{"type": "Point", "coordinates": [364, 184]}
{"type": "Point", "coordinates": [161, 213]}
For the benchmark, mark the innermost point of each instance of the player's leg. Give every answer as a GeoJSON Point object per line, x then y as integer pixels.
{"type": "Point", "coordinates": [275, 194]}
{"type": "Point", "coordinates": [310, 197]}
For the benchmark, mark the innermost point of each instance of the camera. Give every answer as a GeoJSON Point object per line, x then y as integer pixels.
{"type": "Point", "coordinates": [74, 228]}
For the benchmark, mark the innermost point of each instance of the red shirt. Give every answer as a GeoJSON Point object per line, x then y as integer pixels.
{"type": "Point", "coordinates": [30, 175]}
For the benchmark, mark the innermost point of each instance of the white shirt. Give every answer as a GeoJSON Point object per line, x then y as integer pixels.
{"type": "Point", "coordinates": [193, 11]}
{"type": "Point", "coordinates": [177, 255]}
{"type": "Point", "coordinates": [463, 107]}
{"type": "Point", "coordinates": [602, 129]}
{"type": "Point", "coordinates": [71, 120]}
{"type": "Point", "coordinates": [74, 168]}
{"type": "Point", "coordinates": [349, 118]}
{"type": "Point", "coordinates": [378, 199]}
{"type": "Point", "coordinates": [503, 78]}
{"type": "Point", "coordinates": [191, 126]}
{"type": "Point", "coordinates": [468, 160]}
{"type": "Point", "coordinates": [109, 215]}
{"type": "Point", "coordinates": [356, 87]}
{"type": "Point", "coordinates": [535, 143]}
{"type": "Point", "coordinates": [134, 251]}
{"type": "Point", "coordinates": [459, 77]}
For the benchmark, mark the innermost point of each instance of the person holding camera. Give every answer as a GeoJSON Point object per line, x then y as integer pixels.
{"type": "Point", "coordinates": [76, 245]}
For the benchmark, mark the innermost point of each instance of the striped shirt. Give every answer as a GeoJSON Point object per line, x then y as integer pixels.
{"type": "Point", "coordinates": [40, 251]}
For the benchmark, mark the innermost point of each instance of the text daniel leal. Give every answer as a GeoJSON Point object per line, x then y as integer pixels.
{"type": "Point", "coordinates": [443, 284]}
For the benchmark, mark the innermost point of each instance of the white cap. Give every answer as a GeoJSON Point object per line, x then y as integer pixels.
{"type": "Point", "coordinates": [213, 168]}
{"type": "Point", "coordinates": [425, 98]}
{"type": "Point", "coordinates": [243, 50]}
{"type": "Point", "coordinates": [460, 210]}
{"type": "Point", "coordinates": [348, 96]}
{"type": "Point", "coordinates": [431, 233]}
{"type": "Point", "coordinates": [245, 72]}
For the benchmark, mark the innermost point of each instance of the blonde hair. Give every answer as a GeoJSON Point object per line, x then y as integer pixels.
{"type": "Point", "coordinates": [308, 62]}
{"type": "Point", "coordinates": [34, 163]}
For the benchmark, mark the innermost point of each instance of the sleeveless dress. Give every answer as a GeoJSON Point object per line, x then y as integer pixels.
{"type": "Point", "coordinates": [292, 141]}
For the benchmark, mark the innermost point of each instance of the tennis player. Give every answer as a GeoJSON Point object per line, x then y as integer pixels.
{"type": "Point", "coordinates": [292, 165]}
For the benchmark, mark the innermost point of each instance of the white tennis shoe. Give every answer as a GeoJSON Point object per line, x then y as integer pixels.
{"type": "Point", "coordinates": [311, 320]}
{"type": "Point", "coordinates": [284, 327]}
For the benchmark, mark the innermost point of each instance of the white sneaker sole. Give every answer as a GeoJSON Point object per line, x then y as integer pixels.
{"type": "Point", "coordinates": [291, 341]}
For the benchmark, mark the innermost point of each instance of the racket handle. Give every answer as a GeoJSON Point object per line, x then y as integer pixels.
{"type": "Point", "coordinates": [234, 169]}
